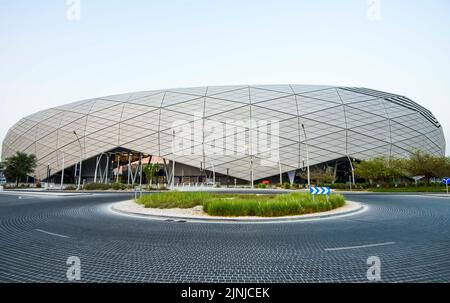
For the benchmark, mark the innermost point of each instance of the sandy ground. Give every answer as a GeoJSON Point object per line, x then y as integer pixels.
{"type": "Point", "coordinates": [197, 212]}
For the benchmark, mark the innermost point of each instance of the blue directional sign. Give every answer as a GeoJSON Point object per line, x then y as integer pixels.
{"type": "Point", "coordinates": [446, 180]}
{"type": "Point", "coordinates": [319, 190]}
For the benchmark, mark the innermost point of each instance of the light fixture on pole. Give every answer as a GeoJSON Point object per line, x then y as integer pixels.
{"type": "Point", "coordinates": [307, 156]}
{"type": "Point", "coordinates": [81, 160]}
{"type": "Point", "coordinates": [48, 177]}
{"type": "Point", "coordinates": [173, 160]}
{"type": "Point", "coordinates": [281, 174]}
{"type": "Point", "coordinates": [62, 171]}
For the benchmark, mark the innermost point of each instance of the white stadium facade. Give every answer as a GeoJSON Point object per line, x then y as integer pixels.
{"type": "Point", "coordinates": [299, 125]}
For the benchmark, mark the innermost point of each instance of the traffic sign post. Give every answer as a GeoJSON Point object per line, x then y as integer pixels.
{"type": "Point", "coordinates": [446, 181]}
{"type": "Point", "coordinates": [320, 190]}
{"type": "Point", "coordinates": [315, 190]}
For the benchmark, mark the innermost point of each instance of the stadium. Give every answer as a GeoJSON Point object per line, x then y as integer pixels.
{"type": "Point", "coordinates": [245, 134]}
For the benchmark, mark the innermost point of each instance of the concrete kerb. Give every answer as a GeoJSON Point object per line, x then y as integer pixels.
{"type": "Point", "coordinates": [42, 193]}
{"type": "Point", "coordinates": [351, 208]}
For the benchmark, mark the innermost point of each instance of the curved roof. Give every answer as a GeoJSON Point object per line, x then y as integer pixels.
{"type": "Point", "coordinates": [338, 121]}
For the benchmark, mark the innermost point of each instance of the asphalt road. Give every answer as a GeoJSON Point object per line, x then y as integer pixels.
{"type": "Point", "coordinates": [410, 234]}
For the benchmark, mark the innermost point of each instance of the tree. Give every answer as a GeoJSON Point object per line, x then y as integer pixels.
{"type": "Point", "coordinates": [395, 168]}
{"type": "Point", "coordinates": [19, 166]}
{"type": "Point", "coordinates": [372, 170]}
{"type": "Point", "coordinates": [150, 171]}
{"type": "Point", "coordinates": [318, 175]}
{"type": "Point", "coordinates": [423, 164]}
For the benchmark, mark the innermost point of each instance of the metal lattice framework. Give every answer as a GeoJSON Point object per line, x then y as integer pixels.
{"type": "Point", "coordinates": [339, 122]}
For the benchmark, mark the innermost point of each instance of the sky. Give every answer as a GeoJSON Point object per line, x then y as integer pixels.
{"type": "Point", "coordinates": [53, 52]}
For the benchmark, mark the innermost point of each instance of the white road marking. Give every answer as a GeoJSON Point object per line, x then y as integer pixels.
{"type": "Point", "coordinates": [49, 233]}
{"type": "Point", "coordinates": [359, 246]}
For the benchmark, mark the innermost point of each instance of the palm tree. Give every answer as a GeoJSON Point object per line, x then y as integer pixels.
{"type": "Point", "coordinates": [150, 172]}
{"type": "Point", "coordinates": [19, 166]}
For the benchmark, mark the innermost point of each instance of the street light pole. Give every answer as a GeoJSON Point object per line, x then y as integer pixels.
{"type": "Point", "coordinates": [48, 176]}
{"type": "Point", "coordinates": [81, 160]}
{"type": "Point", "coordinates": [251, 173]}
{"type": "Point", "coordinates": [281, 174]}
{"type": "Point", "coordinates": [173, 160]}
{"type": "Point", "coordinates": [307, 156]}
{"type": "Point", "coordinates": [62, 171]}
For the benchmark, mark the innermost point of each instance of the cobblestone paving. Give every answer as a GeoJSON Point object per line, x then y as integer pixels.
{"type": "Point", "coordinates": [117, 248]}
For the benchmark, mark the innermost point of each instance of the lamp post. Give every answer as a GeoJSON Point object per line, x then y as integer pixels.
{"type": "Point", "coordinates": [281, 174]}
{"type": "Point", "coordinates": [307, 155]}
{"type": "Point", "coordinates": [251, 173]}
{"type": "Point", "coordinates": [173, 160]}
{"type": "Point", "coordinates": [48, 177]}
{"type": "Point", "coordinates": [62, 171]}
{"type": "Point", "coordinates": [81, 160]}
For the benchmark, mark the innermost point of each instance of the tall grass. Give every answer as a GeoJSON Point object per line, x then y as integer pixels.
{"type": "Point", "coordinates": [281, 205]}
{"type": "Point", "coordinates": [244, 205]}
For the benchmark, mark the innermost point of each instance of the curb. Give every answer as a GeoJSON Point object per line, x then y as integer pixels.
{"type": "Point", "coordinates": [359, 208]}
{"type": "Point", "coordinates": [43, 193]}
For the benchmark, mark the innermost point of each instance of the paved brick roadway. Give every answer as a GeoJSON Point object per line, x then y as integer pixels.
{"type": "Point", "coordinates": [38, 234]}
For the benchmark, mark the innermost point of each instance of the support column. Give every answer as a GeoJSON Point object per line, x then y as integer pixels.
{"type": "Point", "coordinates": [107, 169]}
{"type": "Point", "coordinates": [129, 169]}
{"type": "Point", "coordinates": [168, 175]}
{"type": "Point", "coordinates": [335, 171]}
{"type": "Point", "coordinates": [118, 166]}
{"type": "Point", "coordinates": [140, 171]}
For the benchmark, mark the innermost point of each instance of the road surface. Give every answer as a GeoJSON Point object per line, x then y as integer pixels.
{"type": "Point", "coordinates": [409, 234]}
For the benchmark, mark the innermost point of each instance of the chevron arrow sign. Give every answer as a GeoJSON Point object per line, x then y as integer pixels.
{"type": "Point", "coordinates": [315, 190]}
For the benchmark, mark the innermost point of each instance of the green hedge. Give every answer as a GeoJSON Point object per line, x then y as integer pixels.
{"type": "Point", "coordinates": [97, 186]}
{"type": "Point", "coordinates": [100, 186]}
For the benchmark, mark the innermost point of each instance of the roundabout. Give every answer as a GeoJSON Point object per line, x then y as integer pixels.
{"type": "Point", "coordinates": [196, 214]}
{"type": "Point", "coordinates": [408, 233]}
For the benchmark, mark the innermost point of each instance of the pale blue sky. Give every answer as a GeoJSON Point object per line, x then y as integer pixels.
{"type": "Point", "coordinates": [124, 46]}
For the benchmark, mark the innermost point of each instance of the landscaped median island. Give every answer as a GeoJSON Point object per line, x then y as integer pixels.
{"type": "Point", "coordinates": [240, 205]}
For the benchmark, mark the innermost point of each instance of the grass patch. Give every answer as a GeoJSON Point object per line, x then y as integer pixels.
{"type": "Point", "coordinates": [174, 199]}
{"type": "Point", "coordinates": [423, 189]}
{"type": "Point", "coordinates": [244, 205]}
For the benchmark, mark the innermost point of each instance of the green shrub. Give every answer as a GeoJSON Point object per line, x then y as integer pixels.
{"type": "Point", "coordinates": [261, 185]}
{"type": "Point", "coordinates": [118, 186]}
{"type": "Point", "coordinates": [295, 186]}
{"type": "Point", "coordinates": [97, 186]}
{"type": "Point", "coordinates": [280, 205]}
{"type": "Point", "coordinates": [410, 189]}
{"type": "Point", "coordinates": [286, 185]}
